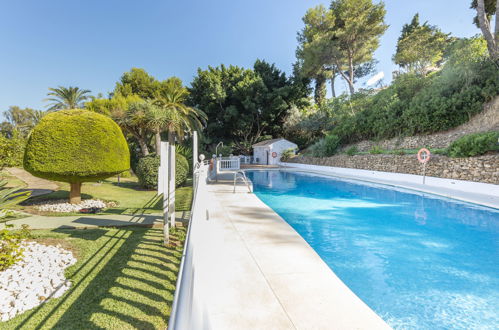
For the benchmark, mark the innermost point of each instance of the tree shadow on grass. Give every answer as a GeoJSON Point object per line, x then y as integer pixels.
{"type": "Point", "coordinates": [128, 281]}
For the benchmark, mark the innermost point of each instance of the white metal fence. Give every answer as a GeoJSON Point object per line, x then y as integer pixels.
{"type": "Point", "coordinates": [229, 164]}
{"type": "Point", "coordinates": [189, 308]}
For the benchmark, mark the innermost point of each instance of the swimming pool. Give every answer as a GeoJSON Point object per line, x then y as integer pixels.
{"type": "Point", "coordinates": [418, 260]}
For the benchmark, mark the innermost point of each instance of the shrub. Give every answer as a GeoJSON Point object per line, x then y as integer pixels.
{"type": "Point", "coordinates": [10, 246]}
{"type": "Point", "coordinates": [76, 146]}
{"type": "Point", "coordinates": [352, 151]}
{"type": "Point", "coordinates": [474, 144]}
{"type": "Point", "coordinates": [287, 154]}
{"type": "Point", "coordinates": [376, 150]}
{"type": "Point", "coordinates": [147, 170]}
{"type": "Point", "coordinates": [415, 104]}
{"type": "Point", "coordinates": [12, 151]}
{"type": "Point", "coordinates": [332, 142]}
{"type": "Point", "coordinates": [325, 147]}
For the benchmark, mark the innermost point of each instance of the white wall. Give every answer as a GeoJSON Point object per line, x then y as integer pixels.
{"type": "Point", "coordinates": [261, 154]}
{"type": "Point", "coordinates": [279, 147]}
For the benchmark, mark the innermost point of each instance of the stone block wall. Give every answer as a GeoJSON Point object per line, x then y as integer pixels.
{"type": "Point", "coordinates": [487, 120]}
{"type": "Point", "coordinates": [479, 169]}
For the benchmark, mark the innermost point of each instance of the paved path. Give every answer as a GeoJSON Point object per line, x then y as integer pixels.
{"type": "Point", "coordinates": [93, 221]}
{"type": "Point", "coordinates": [37, 186]}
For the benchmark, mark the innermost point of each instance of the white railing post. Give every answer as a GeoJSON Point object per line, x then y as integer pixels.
{"type": "Point", "coordinates": [171, 185]}
{"type": "Point", "coordinates": [194, 150]}
{"type": "Point", "coordinates": [163, 188]}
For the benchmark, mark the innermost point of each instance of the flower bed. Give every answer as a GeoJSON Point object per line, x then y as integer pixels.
{"type": "Point", "coordinates": [62, 206]}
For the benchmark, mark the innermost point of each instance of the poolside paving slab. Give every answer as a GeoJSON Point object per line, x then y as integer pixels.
{"type": "Point", "coordinates": [268, 275]}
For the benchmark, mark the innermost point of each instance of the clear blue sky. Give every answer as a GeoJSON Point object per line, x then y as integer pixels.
{"type": "Point", "coordinates": [91, 43]}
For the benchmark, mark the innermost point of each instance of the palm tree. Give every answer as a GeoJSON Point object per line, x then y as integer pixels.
{"type": "Point", "coordinates": [66, 98]}
{"type": "Point", "coordinates": [134, 118]}
{"type": "Point", "coordinates": [172, 115]}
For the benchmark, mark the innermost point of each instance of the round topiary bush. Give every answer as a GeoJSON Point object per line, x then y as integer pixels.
{"type": "Point", "coordinates": [147, 170]}
{"type": "Point", "coordinates": [76, 146]}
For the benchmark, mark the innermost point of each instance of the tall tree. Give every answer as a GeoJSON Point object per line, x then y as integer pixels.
{"type": "Point", "coordinates": [128, 112]}
{"type": "Point", "coordinates": [420, 46]}
{"type": "Point", "coordinates": [64, 98]}
{"type": "Point", "coordinates": [172, 114]}
{"type": "Point", "coordinates": [486, 9]}
{"type": "Point", "coordinates": [340, 41]}
{"type": "Point", "coordinates": [358, 26]}
{"type": "Point", "coordinates": [243, 105]}
{"type": "Point", "coordinates": [20, 121]}
{"type": "Point", "coordinates": [137, 82]}
{"type": "Point", "coordinates": [314, 50]}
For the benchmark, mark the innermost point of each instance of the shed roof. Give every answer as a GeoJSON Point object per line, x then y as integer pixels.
{"type": "Point", "coordinates": [269, 142]}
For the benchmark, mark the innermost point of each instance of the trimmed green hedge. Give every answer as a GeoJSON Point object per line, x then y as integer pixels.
{"type": "Point", "coordinates": [147, 170]}
{"type": "Point", "coordinates": [76, 146]}
{"type": "Point", "coordinates": [474, 144]}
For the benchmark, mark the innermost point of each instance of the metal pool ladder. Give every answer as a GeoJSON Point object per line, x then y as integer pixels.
{"type": "Point", "coordinates": [241, 175]}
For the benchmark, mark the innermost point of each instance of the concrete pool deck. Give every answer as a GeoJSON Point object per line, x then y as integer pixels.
{"type": "Point", "coordinates": [485, 194]}
{"type": "Point", "coordinates": [265, 276]}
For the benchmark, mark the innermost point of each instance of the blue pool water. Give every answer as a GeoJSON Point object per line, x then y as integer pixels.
{"type": "Point", "coordinates": [418, 260]}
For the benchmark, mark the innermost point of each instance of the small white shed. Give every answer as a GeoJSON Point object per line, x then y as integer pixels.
{"type": "Point", "coordinates": [269, 152]}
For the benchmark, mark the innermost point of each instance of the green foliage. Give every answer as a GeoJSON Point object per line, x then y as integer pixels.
{"type": "Point", "coordinates": [10, 246]}
{"type": "Point", "coordinates": [325, 147]}
{"type": "Point", "coordinates": [181, 170]}
{"type": "Point", "coordinates": [474, 144]}
{"type": "Point", "coordinates": [12, 151]}
{"type": "Point", "coordinates": [76, 146]}
{"type": "Point", "coordinates": [11, 196]}
{"type": "Point", "coordinates": [376, 150]}
{"type": "Point", "coordinates": [65, 98]}
{"type": "Point", "coordinates": [147, 170]}
{"type": "Point", "coordinates": [340, 41]}
{"type": "Point", "coordinates": [137, 82]}
{"type": "Point", "coordinates": [352, 151]}
{"type": "Point", "coordinates": [490, 9]}
{"type": "Point", "coordinates": [184, 151]}
{"type": "Point", "coordinates": [244, 104]}
{"type": "Point", "coordinates": [416, 105]}
{"type": "Point", "coordinates": [288, 154]}
{"type": "Point", "coordinates": [420, 46]}
{"type": "Point", "coordinates": [113, 106]}
{"type": "Point", "coordinates": [19, 122]}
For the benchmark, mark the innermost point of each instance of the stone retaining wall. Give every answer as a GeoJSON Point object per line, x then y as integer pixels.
{"type": "Point", "coordinates": [487, 120]}
{"type": "Point", "coordinates": [479, 169]}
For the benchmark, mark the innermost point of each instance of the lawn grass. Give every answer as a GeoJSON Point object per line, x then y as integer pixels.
{"type": "Point", "coordinates": [123, 279]}
{"type": "Point", "coordinates": [131, 198]}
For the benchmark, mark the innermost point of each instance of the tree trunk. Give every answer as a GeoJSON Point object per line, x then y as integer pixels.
{"type": "Point", "coordinates": [143, 146]}
{"type": "Point", "coordinates": [320, 89]}
{"type": "Point", "coordinates": [157, 135]}
{"type": "Point", "coordinates": [333, 91]}
{"type": "Point", "coordinates": [171, 138]}
{"type": "Point", "coordinates": [492, 37]}
{"type": "Point", "coordinates": [350, 76]}
{"type": "Point", "coordinates": [75, 193]}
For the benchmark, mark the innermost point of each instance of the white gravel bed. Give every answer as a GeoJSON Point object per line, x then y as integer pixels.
{"type": "Point", "coordinates": [34, 279]}
{"type": "Point", "coordinates": [63, 206]}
